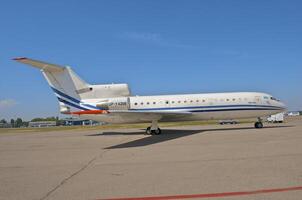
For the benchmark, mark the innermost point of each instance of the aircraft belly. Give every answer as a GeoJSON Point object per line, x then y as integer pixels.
{"type": "Point", "coordinates": [240, 114]}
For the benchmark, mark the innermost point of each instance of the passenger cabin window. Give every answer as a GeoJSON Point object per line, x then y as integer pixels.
{"type": "Point", "coordinates": [135, 104]}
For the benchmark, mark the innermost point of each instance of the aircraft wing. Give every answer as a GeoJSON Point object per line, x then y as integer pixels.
{"type": "Point", "coordinates": [138, 115]}
{"type": "Point", "coordinates": [39, 64]}
{"type": "Point", "coordinates": [152, 115]}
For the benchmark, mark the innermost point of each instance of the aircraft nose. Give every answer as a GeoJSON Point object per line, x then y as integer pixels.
{"type": "Point", "coordinates": [283, 106]}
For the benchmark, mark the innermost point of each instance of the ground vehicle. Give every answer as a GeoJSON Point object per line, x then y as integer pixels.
{"type": "Point", "coordinates": [229, 121]}
{"type": "Point", "coordinates": [277, 118]}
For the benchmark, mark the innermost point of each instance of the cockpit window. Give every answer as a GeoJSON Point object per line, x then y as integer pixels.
{"type": "Point", "coordinates": [273, 98]}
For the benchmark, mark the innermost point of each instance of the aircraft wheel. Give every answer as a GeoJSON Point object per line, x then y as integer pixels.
{"type": "Point", "coordinates": [156, 132]}
{"type": "Point", "coordinates": [258, 125]}
{"type": "Point", "coordinates": [153, 132]}
{"type": "Point", "coordinates": [148, 131]}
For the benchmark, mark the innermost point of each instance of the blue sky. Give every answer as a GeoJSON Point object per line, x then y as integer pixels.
{"type": "Point", "coordinates": [158, 47]}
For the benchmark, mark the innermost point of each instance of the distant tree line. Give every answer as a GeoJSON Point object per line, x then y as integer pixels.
{"type": "Point", "coordinates": [16, 123]}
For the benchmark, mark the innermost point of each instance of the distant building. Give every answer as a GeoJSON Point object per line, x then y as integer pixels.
{"type": "Point", "coordinates": [79, 122]}
{"type": "Point", "coordinates": [42, 124]}
{"type": "Point", "coordinates": [5, 125]}
{"type": "Point", "coordinates": [293, 113]}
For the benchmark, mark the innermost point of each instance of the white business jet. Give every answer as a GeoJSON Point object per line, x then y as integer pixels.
{"type": "Point", "coordinates": [113, 103]}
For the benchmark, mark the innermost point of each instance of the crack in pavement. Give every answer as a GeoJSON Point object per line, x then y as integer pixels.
{"type": "Point", "coordinates": [65, 180]}
{"type": "Point", "coordinates": [68, 178]}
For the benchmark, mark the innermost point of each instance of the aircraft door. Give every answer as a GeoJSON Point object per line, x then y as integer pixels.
{"type": "Point", "coordinates": [258, 99]}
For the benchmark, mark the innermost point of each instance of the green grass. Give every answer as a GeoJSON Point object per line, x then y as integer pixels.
{"type": "Point", "coordinates": [110, 126]}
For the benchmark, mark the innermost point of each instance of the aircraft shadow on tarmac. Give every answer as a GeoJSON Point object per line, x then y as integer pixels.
{"type": "Point", "coordinates": [168, 134]}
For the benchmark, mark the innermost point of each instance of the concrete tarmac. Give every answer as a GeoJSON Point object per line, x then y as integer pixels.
{"type": "Point", "coordinates": [188, 160]}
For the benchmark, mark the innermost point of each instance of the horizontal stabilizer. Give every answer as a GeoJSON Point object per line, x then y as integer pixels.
{"type": "Point", "coordinates": [39, 64]}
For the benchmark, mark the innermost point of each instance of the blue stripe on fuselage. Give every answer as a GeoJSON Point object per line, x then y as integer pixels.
{"type": "Point", "coordinates": [233, 109]}
{"type": "Point", "coordinates": [65, 95]}
{"type": "Point", "coordinates": [73, 99]}
{"type": "Point", "coordinates": [196, 107]}
{"type": "Point", "coordinates": [71, 104]}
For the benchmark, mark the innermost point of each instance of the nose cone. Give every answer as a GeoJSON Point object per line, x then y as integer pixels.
{"type": "Point", "coordinates": [282, 106]}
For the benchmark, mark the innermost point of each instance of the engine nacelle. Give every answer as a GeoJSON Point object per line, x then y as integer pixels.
{"type": "Point", "coordinates": [104, 91]}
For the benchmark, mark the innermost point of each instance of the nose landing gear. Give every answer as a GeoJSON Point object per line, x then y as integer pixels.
{"type": "Point", "coordinates": [258, 124]}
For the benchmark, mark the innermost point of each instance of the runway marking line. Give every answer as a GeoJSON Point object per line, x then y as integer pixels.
{"type": "Point", "coordinates": [212, 195]}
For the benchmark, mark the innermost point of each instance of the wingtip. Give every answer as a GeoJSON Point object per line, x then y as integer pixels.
{"type": "Point", "coordinates": [19, 58]}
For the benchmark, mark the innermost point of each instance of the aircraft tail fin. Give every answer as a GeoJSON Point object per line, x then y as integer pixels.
{"type": "Point", "coordinates": [65, 83]}
{"type": "Point", "coordinates": [70, 89]}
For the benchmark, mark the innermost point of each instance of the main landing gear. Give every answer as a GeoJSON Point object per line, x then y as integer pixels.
{"type": "Point", "coordinates": [153, 129]}
{"type": "Point", "coordinates": [259, 124]}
